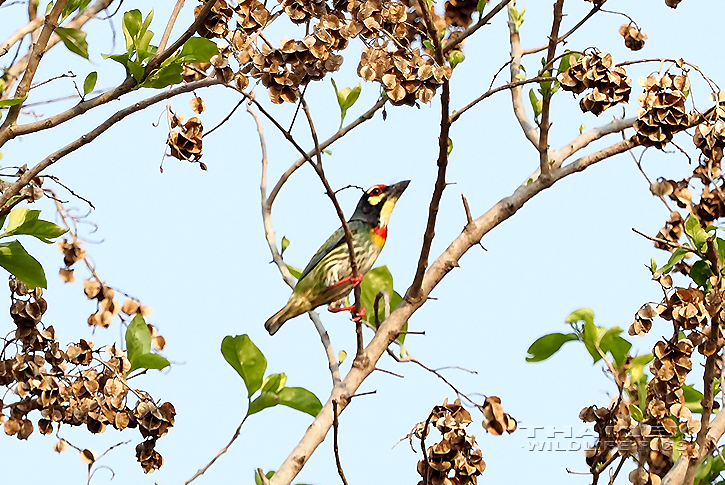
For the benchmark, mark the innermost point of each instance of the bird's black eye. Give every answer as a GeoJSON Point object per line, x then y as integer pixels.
{"type": "Point", "coordinates": [376, 191]}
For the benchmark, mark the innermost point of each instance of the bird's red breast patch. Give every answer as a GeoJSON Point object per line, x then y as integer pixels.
{"type": "Point", "coordinates": [382, 234]}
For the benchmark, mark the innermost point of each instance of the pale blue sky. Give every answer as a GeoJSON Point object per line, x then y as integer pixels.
{"type": "Point", "coordinates": [190, 244]}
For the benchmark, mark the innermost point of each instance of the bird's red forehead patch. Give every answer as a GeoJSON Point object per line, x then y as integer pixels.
{"type": "Point", "coordinates": [378, 186]}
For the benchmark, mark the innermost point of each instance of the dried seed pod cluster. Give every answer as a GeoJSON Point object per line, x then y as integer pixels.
{"type": "Point", "coordinates": [633, 37]}
{"type": "Point", "coordinates": [455, 458]}
{"type": "Point", "coordinates": [297, 62]}
{"type": "Point", "coordinates": [495, 421]}
{"type": "Point", "coordinates": [79, 386]}
{"type": "Point", "coordinates": [458, 12]}
{"type": "Point", "coordinates": [186, 142]}
{"type": "Point", "coordinates": [405, 76]}
{"type": "Point", "coordinates": [609, 84]}
{"type": "Point", "coordinates": [662, 110]}
{"type": "Point", "coordinates": [710, 134]}
{"type": "Point", "coordinates": [216, 23]}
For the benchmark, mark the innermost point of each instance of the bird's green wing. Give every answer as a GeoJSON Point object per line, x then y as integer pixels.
{"type": "Point", "coordinates": [337, 238]}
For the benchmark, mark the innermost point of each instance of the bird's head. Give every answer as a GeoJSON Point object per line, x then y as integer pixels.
{"type": "Point", "coordinates": [377, 203]}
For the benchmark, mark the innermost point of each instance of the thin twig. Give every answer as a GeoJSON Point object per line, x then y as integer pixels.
{"type": "Point", "coordinates": [561, 39]}
{"type": "Point", "coordinates": [201, 471]}
{"type": "Point", "coordinates": [170, 25]}
{"type": "Point", "coordinates": [453, 42]}
{"type": "Point", "coordinates": [544, 126]}
{"type": "Point", "coordinates": [335, 426]}
{"type": "Point", "coordinates": [333, 364]}
{"type": "Point", "coordinates": [94, 133]}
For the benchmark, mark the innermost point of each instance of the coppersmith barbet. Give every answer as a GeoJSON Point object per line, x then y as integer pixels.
{"type": "Point", "coordinates": [327, 278]}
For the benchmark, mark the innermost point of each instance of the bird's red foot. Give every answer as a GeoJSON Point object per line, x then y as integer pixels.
{"type": "Point", "coordinates": [356, 317]}
{"type": "Point", "coordinates": [356, 280]}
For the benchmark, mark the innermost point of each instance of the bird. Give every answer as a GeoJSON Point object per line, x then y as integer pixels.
{"type": "Point", "coordinates": [328, 278]}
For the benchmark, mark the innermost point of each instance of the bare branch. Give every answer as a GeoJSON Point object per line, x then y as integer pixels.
{"type": "Point", "coordinates": [498, 89]}
{"type": "Point", "coordinates": [94, 133]}
{"type": "Point", "coordinates": [170, 25]}
{"type": "Point", "coordinates": [546, 102]}
{"type": "Point", "coordinates": [561, 39]}
{"type": "Point", "coordinates": [10, 132]}
{"type": "Point", "coordinates": [277, 258]}
{"type": "Point", "coordinates": [203, 470]}
{"type": "Point", "coordinates": [516, 97]}
{"type": "Point", "coordinates": [36, 54]}
{"type": "Point", "coordinates": [340, 133]}
{"type": "Point", "coordinates": [14, 71]}
{"type": "Point", "coordinates": [440, 185]}
{"type": "Point", "coordinates": [19, 34]}
{"type": "Point", "coordinates": [455, 41]}
{"type": "Point", "coordinates": [335, 444]}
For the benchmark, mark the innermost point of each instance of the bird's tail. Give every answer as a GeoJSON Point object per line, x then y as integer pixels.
{"type": "Point", "coordinates": [293, 308]}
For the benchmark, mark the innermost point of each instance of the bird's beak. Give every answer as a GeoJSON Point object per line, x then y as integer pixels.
{"type": "Point", "coordinates": [395, 191]}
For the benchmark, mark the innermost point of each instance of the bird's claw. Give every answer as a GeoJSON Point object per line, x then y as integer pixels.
{"type": "Point", "coordinates": [356, 316]}
{"type": "Point", "coordinates": [355, 280]}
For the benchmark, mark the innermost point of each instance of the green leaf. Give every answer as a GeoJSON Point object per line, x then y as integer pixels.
{"type": "Point", "coordinates": [25, 221]}
{"type": "Point", "coordinates": [637, 366]}
{"type": "Point", "coordinates": [721, 249]}
{"type": "Point", "coordinates": [698, 236]}
{"type": "Point", "coordinates": [74, 40]}
{"type": "Point", "coordinates": [15, 259]}
{"type": "Point", "coordinates": [546, 346]}
{"type": "Point", "coordinates": [346, 97]}
{"type": "Point", "coordinates": [456, 56]}
{"type": "Point", "coordinates": [168, 73]}
{"type": "Point", "coordinates": [12, 101]}
{"type": "Point", "coordinates": [677, 256]}
{"type": "Point", "coordinates": [274, 383]}
{"type": "Point", "coordinates": [637, 414]}
{"type": "Point", "coordinates": [198, 49]}
{"type": "Point", "coordinates": [450, 147]}
{"type": "Point", "coordinates": [700, 273]}
{"type": "Point", "coordinates": [481, 5]}
{"type": "Point", "coordinates": [341, 356]}
{"type": "Point", "coordinates": [249, 362]}
{"type": "Point", "coordinates": [691, 394]}
{"type": "Point", "coordinates": [300, 399]}
{"type": "Point", "coordinates": [536, 104]}
{"type": "Point", "coordinates": [258, 480]}
{"type": "Point", "coordinates": [285, 245]}
{"type": "Point", "coordinates": [263, 401]}
{"type": "Point", "coordinates": [376, 280]}
{"type": "Point", "coordinates": [72, 6]}
{"type": "Point", "coordinates": [592, 335]}
{"type": "Point", "coordinates": [296, 272]}
{"type": "Point", "coordinates": [90, 83]}
{"type": "Point", "coordinates": [429, 45]}
{"type": "Point", "coordinates": [613, 343]}
{"type": "Point", "coordinates": [138, 346]}
{"type": "Point", "coordinates": [151, 361]}
{"type": "Point", "coordinates": [132, 21]}
{"type": "Point", "coordinates": [581, 315]}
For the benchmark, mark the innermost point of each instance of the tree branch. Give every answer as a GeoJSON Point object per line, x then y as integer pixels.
{"type": "Point", "coordinates": [340, 133]}
{"type": "Point", "coordinates": [546, 102]}
{"type": "Point", "coordinates": [93, 134]}
{"type": "Point", "coordinates": [516, 98]}
{"type": "Point", "coordinates": [125, 87]}
{"type": "Point", "coordinates": [455, 41]}
{"type": "Point", "coordinates": [589, 15]}
{"type": "Point", "coordinates": [498, 89]}
{"type": "Point", "coordinates": [14, 71]}
{"type": "Point", "coordinates": [277, 258]}
{"type": "Point", "coordinates": [19, 34]}
{"type": "Point", "coordinates": [36, 54]}
{"type": "Point", "coordinates": [440, 185]}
